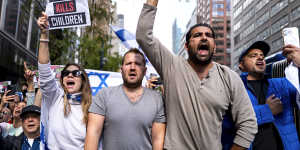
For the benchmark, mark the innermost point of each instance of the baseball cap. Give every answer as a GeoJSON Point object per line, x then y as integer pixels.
{"type": "Point", "coordinates": [262, 45]}
{"type": "Point", "coordinates": [32, 109]}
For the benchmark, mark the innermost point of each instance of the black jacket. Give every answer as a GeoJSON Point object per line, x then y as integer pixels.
{"type": "Point", "coordinates": [11, 142]}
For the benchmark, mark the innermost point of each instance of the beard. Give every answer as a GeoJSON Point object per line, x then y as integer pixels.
{"type": "Point", "coordinates": [131, 84]}
{"type": "Point", "coordinates": [193, 57]}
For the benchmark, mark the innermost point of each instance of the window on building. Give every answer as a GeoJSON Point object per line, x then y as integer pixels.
{"type": "Point", "coordinates": [247, 3]}
{"type": "Point", "coordinates": [228, 5]}
{"type": "Point", "coordinates": [248, 31]}
{"type": "Point", "coordinates": [278, 7]}
{"type": "Point", "coordinates": [277, 44]}
{"type": "Point", "coordinates": [299, 29]}
{"type": "Point", "coordinates": [279, 24]}
{"type": "Point", "coordinates": [261, 4]}
{"type": "Point", "coordinates": [218, 0]}
{"type": "Point", "coordinates": [11, 16]}
{"type": "Point", "coordinates": [219, 42]}
{"type": "Point", "coordinates": [219, 58]}
{"type": "Point", "coordinates": [236, 39]}
{"type": "Point", "coordinates": [262, 19]}
{"type": "Point", "coordinates": [248, 15]}
{"type": "Point", "coordinates": [295, 14]}
{"type": "Point", "coordinates": [219, 50]}
{"type": "Point", "coordinates": [219, 35]}
{"type": "Point", "coordinates": [34, 37]}
{"type": "Point", "coordinates": [234, 2]}
{"type": "Point", "coordinates": [0, 8]}
{"type": "Point", "coordinates": [228, 44]}
{"type": "Point", "coordinates": [217, 6]}
{"type": "Point", "coordinates": [23, 22]}
{"type": "Point", "coordinates": [264, 34]}
{"type": "Point", "coordinates": [217, 13]}
{"type": "Point", "coordinates": [238, 11]}
{"type": "Point", "coordinates": [236, 26]}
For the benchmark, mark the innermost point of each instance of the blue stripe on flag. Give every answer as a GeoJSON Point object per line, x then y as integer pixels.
{"type": "Point", "coordinates": [124, 35]}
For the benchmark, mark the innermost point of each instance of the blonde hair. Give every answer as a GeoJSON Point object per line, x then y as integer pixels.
{"type": "Point", "coordinates": [86, 97]}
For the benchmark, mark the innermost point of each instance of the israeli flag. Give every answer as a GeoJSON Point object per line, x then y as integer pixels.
{"type": "Point", "coordinates": [129, 41]}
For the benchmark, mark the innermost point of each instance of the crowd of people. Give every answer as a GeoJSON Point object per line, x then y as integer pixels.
{"type": "Point", "coordinates": [201, 105]}
{"type": "Point", "coordinates": [20, 116]}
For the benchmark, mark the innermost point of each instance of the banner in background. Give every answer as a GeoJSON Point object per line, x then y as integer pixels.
{"type": "Point", "coordinates": [68, 13]}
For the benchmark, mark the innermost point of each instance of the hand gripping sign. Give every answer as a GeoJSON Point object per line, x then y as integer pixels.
{"type": "Point", "coordinates": [68, 13]}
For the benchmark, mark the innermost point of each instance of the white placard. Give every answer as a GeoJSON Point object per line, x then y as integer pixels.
{"type": "Point", "coordinates": [68, 13]}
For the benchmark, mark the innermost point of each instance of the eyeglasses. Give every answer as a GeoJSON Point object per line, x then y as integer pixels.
{"type": "Point", "coordinates": [75, 73]}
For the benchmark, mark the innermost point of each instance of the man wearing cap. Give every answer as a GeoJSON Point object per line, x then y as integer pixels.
{"type": "Point", "coordinates": [272, 99]}
{"type": "Point", "coordinates": [30, 138]}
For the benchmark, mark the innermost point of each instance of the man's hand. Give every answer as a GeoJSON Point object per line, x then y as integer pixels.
{"type": "Point", "coordinates": [152, 2]}
{"type": "Point", "coordinates": [150, 83]}
{"type": "Point", "coordinates": [275, 104]}
{"type": "Point", "coordinates": [292, 53]}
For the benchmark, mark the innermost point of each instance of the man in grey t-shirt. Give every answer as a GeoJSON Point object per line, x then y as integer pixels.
{"type": "Point", "coordinates": [132, 117]}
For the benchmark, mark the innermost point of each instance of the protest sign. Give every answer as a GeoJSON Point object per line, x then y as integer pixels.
{"type": "Point", "coordinates": [68, 13]}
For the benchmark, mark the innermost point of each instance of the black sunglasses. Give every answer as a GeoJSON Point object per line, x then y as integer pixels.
{"type": "Point", "coordinates": [75, 73]}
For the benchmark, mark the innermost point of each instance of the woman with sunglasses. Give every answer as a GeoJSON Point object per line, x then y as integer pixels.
{"type": "Point", "coordinates": [65, 106]}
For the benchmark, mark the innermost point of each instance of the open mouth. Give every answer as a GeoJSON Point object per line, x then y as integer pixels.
{"type": "Point", "coordinates": [132, 75]}
{"type": "Point", "coordinates": [259, 63]}
{"type": "Point", "coordinates": [70, 84]}
{"type": "Point", "coordinates": [203, 47]}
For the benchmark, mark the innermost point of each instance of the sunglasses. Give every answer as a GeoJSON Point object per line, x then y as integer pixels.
{"type": "Point", "coordinates": [75, 73]}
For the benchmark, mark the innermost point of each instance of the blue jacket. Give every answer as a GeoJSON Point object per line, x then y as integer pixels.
{"type": "Point", "coordinates": [284, 122]}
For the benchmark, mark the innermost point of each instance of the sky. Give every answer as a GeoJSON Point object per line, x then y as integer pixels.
{"type": "Point", "coordinates": [168, 10]}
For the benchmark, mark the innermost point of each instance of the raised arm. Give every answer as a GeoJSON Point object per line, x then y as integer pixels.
{"type": "Point", "coordinates": [44, 39]}
{"type": "Point", "coordinates": [152, 2]}
{"type": "Point", "coordinates": [159, 56]}
{"type": "Point", "coordinates": [48, 85]}
{"type": "Point", "coordinates": [28, 74]}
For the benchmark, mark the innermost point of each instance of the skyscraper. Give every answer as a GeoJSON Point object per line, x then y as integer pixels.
{"type": "Point", "coordinates": [19, 34]}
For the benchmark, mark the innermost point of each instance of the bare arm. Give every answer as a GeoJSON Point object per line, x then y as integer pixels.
{"type": "Point", "coordinates": [237, 147]}
{"type": "Point", "coordinates": [38, 98]}
{"type": "Point", "coordinates": [44, 49]}
{"type": "Point", "coordinates": [152, 2]}
{"type": "Point", "coordinates": [94, 131]}
{"type": "Point", "coordinates": [158, 135]}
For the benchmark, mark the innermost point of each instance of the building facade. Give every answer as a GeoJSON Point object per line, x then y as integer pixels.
{"type": "Point", "coordinates": [220, 21]}
{"type": "Point", "coordinates": [217, 14]}
{"type": "Point", "coordinates": [254, 20]}
{"type": "Point", "coordinates": [176, 37]}
{"type": "Point", "coordinates": [19, 35]}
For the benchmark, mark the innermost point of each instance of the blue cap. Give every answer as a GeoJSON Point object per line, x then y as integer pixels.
{"type": "Point", "coordinates": [30, 109]}
{"type": "Point", "coordinates": [262, 45]}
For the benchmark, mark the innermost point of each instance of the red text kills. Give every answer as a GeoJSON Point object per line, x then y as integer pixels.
{"type": "Point", "coordinates": [64, 7]}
